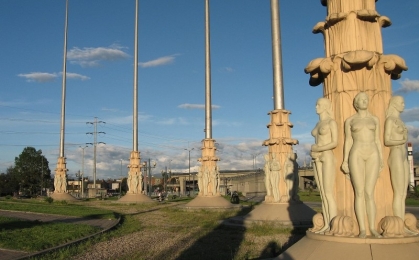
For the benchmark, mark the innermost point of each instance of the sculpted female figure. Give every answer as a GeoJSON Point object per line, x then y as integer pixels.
{"type": "Point", "coordinates": [363, 161]}
{"type": "Point", "coordinates": [275, 177]}
{"type": "Point", "coordinates": [395, 137]}
{"type": "Point", "coordinates": [325, 135]}
{"type": "Point", "coordinates": [268, 179]}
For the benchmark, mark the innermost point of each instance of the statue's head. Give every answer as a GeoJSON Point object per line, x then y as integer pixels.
{"type": "Point", "coordinates": [361, 101]}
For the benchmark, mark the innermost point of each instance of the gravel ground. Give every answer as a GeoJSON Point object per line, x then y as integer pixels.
{"type": "Point", "coordinates": [159, 239]}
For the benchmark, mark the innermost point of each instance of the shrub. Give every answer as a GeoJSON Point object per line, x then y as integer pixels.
{"type": "Point", "coordinates": [49, 200]}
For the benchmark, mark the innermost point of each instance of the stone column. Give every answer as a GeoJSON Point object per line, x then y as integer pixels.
{"type": "Point", "coordinates": [355, 62]}
{"type": "Point", "coordinates": [279, 146]}
{"type": "Point", "coordinates": [209, 168]}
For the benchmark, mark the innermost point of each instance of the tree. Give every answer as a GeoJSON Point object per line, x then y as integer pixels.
{"type": "Point", "coordinates": [32, 170]}
{"type": "Point", "coordinates": [8, 183]}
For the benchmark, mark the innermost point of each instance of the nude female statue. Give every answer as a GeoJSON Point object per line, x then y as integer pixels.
{"type": "Point", "coordinates": [363, 161]}
{"type": "Point", "coordinates": [275, 177]}
{"type": "Point", "coordinates": [395, 137]}
{"type": "Point", "coordinates": [268, 179]}
{"type": "Point", "coordinates": [325, 135]}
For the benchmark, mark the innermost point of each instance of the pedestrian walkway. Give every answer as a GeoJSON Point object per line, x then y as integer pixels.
{"type": "Point", "coordinates": [5, 254]}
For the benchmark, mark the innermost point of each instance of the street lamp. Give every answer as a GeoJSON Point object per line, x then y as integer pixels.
{"type": "Point", "coordinates": [149, 173]}
{"type": "Point", "coordinates": [120, 184]}
{"type": "Point", "coordinates": [82, 170]}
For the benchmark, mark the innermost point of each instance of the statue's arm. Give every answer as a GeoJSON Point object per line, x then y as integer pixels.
{"type": "Point", "coordinates": [388, 128]}
{"type": "Point", "coordinates": [347, 145]}
{"type": "Point", "coordinates": [377, 141]}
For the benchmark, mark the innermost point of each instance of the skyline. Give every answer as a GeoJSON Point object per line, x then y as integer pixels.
{"type": "Point", "coordinates": [171, 78]}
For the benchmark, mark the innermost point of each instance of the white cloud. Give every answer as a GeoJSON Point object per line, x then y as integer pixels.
{"type": "Point", "coordinates": [408, 86]}
{"type": "Point", "coordinates": [76, 76]}
{"type": "Point", "coordinates": [413, 136]}
{"type": "Point", "coordinates": [43, 77]}
{"type": "Point", "coordinates": [196, 106]}
{"type": "Point", "coordinates": [158, 62]}
{"type": "Point", "coordinates": [39, 76]}
{"type": "Point", "coordinates": [410, 115]}
{"type": "Point", "coordinates": [91, 57]}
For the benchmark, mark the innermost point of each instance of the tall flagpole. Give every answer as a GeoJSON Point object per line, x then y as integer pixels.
{"type": "Point", "coordinates": [62, 128]}
{"type": "Point", "coordinates": [278, 89]}
{"type": "Point", "coordinates": [208, 106]}
{"type": "Point", "coordinates": [60, 178]}
{"type": "Point", "coordinates": [135, 179]}
{"type": "Point", "coordinates": [209, 191]}
{"type": "Point", "coordinates": [135, 95]}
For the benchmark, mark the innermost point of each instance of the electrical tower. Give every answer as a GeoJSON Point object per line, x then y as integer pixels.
{"type": "Point", "coordinates": [95, 143]}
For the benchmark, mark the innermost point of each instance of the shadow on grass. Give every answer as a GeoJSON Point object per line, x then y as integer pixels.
{"type": "Point", "coordinates": [221, 242]}
{"type": "Point", "coordinates": [14, 224]}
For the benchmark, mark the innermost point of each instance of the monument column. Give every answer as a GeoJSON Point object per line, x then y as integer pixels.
{"type": "Point", "coordinates": [355, 62]}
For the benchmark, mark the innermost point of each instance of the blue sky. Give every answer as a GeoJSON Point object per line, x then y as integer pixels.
{"type": "Point", "coordinates": [171, 78]}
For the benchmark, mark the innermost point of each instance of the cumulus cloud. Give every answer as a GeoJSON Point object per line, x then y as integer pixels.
{"type": "Point", "coordinates": [410, 115]}
{"type": "Point", "coordinates": [76, 76]}
{"type": "Point", "coordinates": [38, 76]}
{"type": "Point", "coordinates": [158, 62]}
{"type": "Point", "coordinates": [92, 57]}
{"type": "Point", "coordinates": [408, 86]}
{"type": "Point", "coordinates": [196, 106]}
{"type": "Point", "coordinates": [413, 136]}
{"type": "Point", "coordinates": [43, 77]}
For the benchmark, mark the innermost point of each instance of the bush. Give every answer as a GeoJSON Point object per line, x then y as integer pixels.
{"type": "Point", "coordinates": [8, 197]}
{"type": "Point", "coordinates": [416, 191]}
{"type": "Point", "coordinates": [49, 200]}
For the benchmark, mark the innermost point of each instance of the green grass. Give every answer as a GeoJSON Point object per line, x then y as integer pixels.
{"type": "Point", "coordinates": [32, 236]}
{"type": "Point", "coordinates": [59, 208]}
{"type": "Point", "coordinates": [313, 196]}
{"type": "Point", "coordinates": [412, 201]}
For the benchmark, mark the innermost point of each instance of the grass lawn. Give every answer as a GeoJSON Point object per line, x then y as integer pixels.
{"type": "Point", "coordinates": [59, 208]}
{"type": "Point", "coordinates": [32, 236]}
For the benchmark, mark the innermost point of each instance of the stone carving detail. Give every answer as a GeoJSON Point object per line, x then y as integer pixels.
{"type": "Point", "coordinates": [291, 178]}
{"type": "Point", "coordinates": [325, 134]}
{"type": "Point", "coordinates": [342, 226]}
{"type": "Point", "coordinates": [410, 222]}
{"type": "Point", "coordinates": [208, 181]}
{"type": "Point", "coordinates": [363, 161]}
{"type": "Point", "coordinates": [395, 137]}
{"type": "Point", "coordinates": [392, 226]}
{"type": "Point", "coordinates": [135, 179]}
{"type": "Point", "coordinates": [318, 223]}
{"type": "Point", "coordinates": [60, 179]}
{"type": "Point", "coordinates": [272, 178]}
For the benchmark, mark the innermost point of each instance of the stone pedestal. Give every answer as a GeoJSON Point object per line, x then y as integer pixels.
{"type": "Point", "coordinates": [135, 182]}
{"type": "Point", "coordinates": [314, 247]}
{"type": "Point", "coordinates": [209, 180]}
{"type": "Point", "coordinates": [60, 181]}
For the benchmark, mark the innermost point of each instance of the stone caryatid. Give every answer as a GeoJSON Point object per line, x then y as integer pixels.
{"type": "Point", "coordinates": [325, 135]}
{"type": "Point", "coordinates": [395, 137]}
{"type": "Point", "coordinates": [363, 161]}
{"type": "Point", "coordinates": [60, 179]}
{"type": "Point", "coordinates": [275, 175]}
{"type": "Point", "coordinates": [291, 178]}
{"type": "Point", "coordinates": [134, 180]}
{"type": "Point", "coordinates": [268, 179]}
{"type": "Point", "coordinates": [208, 181]}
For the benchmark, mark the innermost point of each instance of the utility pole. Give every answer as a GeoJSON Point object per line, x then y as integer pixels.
{"type": "Point", "coordinates": [95, 143]}
{"type": "Point", "coordinates": [82, 170]}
